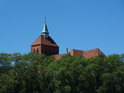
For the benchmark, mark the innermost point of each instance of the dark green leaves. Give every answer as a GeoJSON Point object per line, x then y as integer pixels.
{"type": "Point", "coordinates": [34, 73]}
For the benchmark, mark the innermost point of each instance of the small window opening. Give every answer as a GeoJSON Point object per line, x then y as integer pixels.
{"type": "Point", "coordinates": [37, 50]}
{"type": "Point", "coordinates": [34, 50]}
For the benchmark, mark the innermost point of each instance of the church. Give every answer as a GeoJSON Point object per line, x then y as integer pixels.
{"type": "Point", "coordinates": [44, 44]}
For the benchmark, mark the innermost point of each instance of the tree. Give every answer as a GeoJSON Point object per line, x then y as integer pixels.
{"type": "Point", "coordinates": [35, 73]}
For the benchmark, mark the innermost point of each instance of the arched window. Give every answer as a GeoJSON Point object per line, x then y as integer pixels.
{"type": "Point", "coordinates": [37, 50]}
{"type": "Point", "coordinates": [34, 50]}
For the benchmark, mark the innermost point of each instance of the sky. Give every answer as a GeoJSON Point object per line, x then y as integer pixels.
{"type": "Point", "coordinates": [73, 24]}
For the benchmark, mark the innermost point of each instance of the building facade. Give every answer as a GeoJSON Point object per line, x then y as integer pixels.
{"type": "Point", "coordinates": [84, 53]}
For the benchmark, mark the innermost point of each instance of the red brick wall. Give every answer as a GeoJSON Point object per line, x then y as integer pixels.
{"type": "Point", "coordinates": [45, 49]}
{"type": "Point", "coordinates": [49, 50]}
{"type": "Point", "coordinates": [36, 49]}
{"type": "Point", "coordinates": [90, 54]}
{"type": "Point", "coordinates": [76, 52]}
{"type": "Point", "coordinates": [87, 54]}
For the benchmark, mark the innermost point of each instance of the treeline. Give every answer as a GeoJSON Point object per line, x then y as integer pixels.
{"type": "Point", "coordinates": [34, 73]}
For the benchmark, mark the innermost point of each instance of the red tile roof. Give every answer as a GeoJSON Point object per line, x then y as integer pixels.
{"type": "Point", "coordinates": [45, 41]}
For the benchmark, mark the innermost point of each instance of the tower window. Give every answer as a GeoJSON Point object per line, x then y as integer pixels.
{"type": "Point", "coordinates": [37, 50]}
{"type": "Point", "coordinates": [34, 50]}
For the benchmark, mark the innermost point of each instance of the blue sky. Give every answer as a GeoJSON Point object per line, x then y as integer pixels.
{"type": "Point", "coordinates": [73, 24]}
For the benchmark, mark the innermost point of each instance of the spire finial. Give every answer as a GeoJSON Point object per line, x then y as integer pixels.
{"type": "Point", "coordinates": [45, 29]}
{"type": "Point", "coordinates": [45, 20]}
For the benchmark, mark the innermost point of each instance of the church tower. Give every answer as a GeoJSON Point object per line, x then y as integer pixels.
{"type": "Point", "coordinates": [44, 44]}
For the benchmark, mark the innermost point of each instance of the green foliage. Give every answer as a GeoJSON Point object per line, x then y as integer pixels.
{"type": "Point", "coordinates": [34, 73]}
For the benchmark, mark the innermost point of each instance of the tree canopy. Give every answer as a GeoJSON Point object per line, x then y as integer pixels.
{"type": "Point", "coordinates": [34, 73]}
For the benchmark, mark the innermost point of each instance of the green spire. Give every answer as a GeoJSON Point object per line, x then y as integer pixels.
{"type": "Point", "coordinates": [45, 30]}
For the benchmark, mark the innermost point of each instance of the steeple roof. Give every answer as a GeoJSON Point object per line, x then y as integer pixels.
{"type": "Point", "coordinates": [44, 38]}
{"type": "Point", "coordinates": [45, 30]}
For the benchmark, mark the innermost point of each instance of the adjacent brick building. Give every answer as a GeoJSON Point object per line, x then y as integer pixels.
{"type": "Point", "coordinates": [86, 54]}
{"type": "Point", "coordinates": [44, 44]}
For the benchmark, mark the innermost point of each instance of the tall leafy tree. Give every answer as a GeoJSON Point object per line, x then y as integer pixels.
{"type": "Point", "coordinates": [34, 73]}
